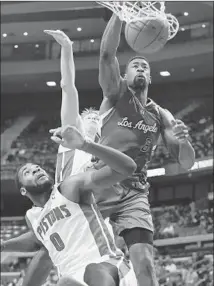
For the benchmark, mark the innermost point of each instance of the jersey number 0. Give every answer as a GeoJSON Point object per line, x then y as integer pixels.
{"type": "Point", "coordinates": [57, 241]}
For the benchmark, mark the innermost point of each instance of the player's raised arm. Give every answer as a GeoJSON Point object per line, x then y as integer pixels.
{"type": "Point", "coordinates": [26, 242]}
{"type": "Point", "coordinates": [175, 136]}
{"type": "Point", "coordinates": [109, 70]}
{"type": "Point", "coordinates": [119, 166]}
{"type": "Point", "coordinates": [70, 100]}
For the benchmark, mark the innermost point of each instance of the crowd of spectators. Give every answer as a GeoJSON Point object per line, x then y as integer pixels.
{"type": "Point", "coordinates": [194, 270]}
{"type": "Point", "coordinates": [34, 144]}
{"type": "Point", "coordinates": [181, 220]}
{"type": "Point", "coordinates": [201, 136]}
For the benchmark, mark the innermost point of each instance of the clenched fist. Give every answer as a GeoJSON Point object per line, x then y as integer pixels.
{"type": "Point", "coordinates": [68, 137]}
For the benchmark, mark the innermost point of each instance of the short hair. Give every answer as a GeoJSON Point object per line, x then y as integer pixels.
{"type": "Point", "coordinates": [88, 111]}
{"type": "Point", "coordinates": [18, 184]}
{"type": "Point", "coordinates": [137, 57]}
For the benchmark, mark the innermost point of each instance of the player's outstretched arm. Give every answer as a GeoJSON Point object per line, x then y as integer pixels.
{"type": "Point", "coordinates": [109, 70]}
{"type": "Point", "coordinates": [175, 136]}
{"type": "Point", "coordinates": [38, 269]}
{"type": "Point", "coordinates": [70, 99]}
{"type": "Point", "coordinates": [26, 242]}
{"type": "Point", "coordinates": [119, 166]}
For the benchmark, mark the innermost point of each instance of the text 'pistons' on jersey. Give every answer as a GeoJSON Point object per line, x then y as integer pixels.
{"type": "Point", "coordinates": [62, 226]}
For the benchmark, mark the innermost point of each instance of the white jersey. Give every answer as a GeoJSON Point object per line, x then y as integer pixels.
{"type": "Point", "coordinates": [72, 162]}
{"type": "Point", "coordinates": [75, 235]}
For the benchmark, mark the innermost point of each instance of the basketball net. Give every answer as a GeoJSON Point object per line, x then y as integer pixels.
{"type": "Point", "coordinates": [134, 11]}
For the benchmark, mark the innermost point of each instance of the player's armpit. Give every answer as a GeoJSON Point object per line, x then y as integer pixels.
{"type": "Point", "coordinates": [38, 269]}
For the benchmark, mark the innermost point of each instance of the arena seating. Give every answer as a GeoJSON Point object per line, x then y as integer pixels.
{"type": "Point", "coordinates": [200, 124]}
{"type": "Point", "coordinates": [34, 144]}
{"type": "Point", "coordinates": [193, 270]}
{"type": "Point", "coordinates": [180, 221]}
{"type": "Point", "coordinates": [12, 227]}
{"type": "Point", "coordinates": [6, 123]}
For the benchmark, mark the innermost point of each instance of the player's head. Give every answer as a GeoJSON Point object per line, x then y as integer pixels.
{"type": "Point", "coordinates": [32, 180]}
{"type": "Point", "coordinates": [138, 73]}
{"type": "Point", "coordinates": [91, 120]}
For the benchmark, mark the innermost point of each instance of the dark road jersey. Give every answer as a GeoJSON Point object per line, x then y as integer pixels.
{"type": "Point", "coordinates": [134, 130]}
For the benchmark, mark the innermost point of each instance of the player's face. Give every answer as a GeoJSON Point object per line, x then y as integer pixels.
{"type": "Point", "coordinates": [138, 74]}
{"type": "Point", "coordinates": [91, 123]}
{"type": "Point", "coordinates": [34, 179]}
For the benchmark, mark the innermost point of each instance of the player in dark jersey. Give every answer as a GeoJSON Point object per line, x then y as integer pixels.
{"type": "Point", "coordinates": [133, 125]}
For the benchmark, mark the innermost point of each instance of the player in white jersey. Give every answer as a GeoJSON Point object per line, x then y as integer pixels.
{"type": "Point", "coordinates": [69, 163]}
{"type": "Point", "coordinates": [66, 220]}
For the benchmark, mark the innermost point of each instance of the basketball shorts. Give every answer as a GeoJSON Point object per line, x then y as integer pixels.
{"type": "Point", "coordinates": [130, 211]}
{"type": "Point", "coordinates": [125, 272]}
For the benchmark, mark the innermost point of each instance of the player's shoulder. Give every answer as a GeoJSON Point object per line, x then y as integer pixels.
{"type": "Point", "coordinates": [71, 187]}
{"type": "Point", "coordinates": [166, 117]}
{"type": "Point", "coordinates": [28, 218]}
{"type": "Point", "coordinates": [31, 213]}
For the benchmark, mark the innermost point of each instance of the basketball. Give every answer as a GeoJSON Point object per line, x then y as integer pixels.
{"type": "Point", "coordinates": [148, 35]}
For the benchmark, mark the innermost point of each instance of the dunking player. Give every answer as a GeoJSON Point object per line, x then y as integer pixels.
{"type": "Point", "coordinates": [133, 125]}
{"type": "Point", "coordinates": [66, 220]}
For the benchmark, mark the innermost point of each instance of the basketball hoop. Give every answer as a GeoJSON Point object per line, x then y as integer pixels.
{"type": "Point", "coordinates": [134, 11]}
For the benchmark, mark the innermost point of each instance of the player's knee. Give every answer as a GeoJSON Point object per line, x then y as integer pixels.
{"type": "Point", "coordinates": [146, 262]}
{"type": "Point", "coordinates": [142, 256]}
